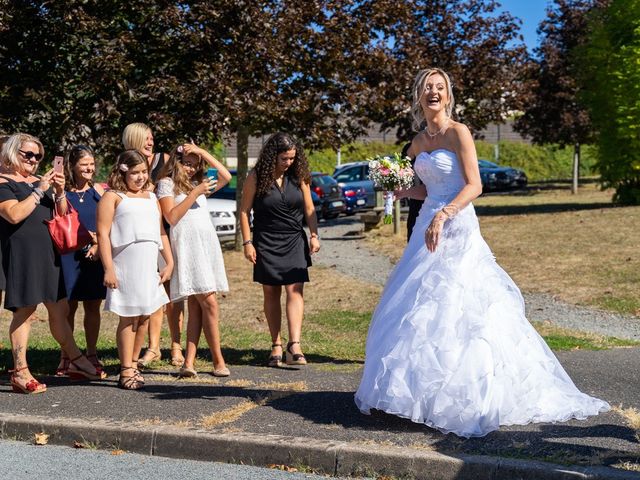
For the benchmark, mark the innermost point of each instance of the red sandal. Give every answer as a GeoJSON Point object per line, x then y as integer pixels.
{"type": "Point", "coordinates": [80, 374]}
{"type": "Point", "coordinates": [31, 387]}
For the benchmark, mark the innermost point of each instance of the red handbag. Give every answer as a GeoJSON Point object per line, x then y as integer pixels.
{"type": "Point", "coordinates": [67, 233]}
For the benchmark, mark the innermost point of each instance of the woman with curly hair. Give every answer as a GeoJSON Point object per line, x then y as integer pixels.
{"type": "Point", "coordinates": [278, 191]}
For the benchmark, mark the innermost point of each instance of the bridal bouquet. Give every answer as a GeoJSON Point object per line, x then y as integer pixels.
{"type": "Point", "coordinates": [390, 172]}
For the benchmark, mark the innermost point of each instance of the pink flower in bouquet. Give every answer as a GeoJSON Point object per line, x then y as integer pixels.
{"type": "Point", "coordinates": [384, 171]}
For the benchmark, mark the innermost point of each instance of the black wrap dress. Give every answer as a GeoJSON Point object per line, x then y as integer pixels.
{"type": "Point", "coordinates": [282, 249]}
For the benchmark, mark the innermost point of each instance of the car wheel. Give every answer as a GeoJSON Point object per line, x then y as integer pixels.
{"type": "Point", "coordinates": [331, 216]}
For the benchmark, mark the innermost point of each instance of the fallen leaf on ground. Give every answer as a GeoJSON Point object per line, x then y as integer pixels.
{"type": "Point", "coordinates": [284, 468]}
{"type": "Point", "coordinates": [117, 452]}
{"type": "Point", "coordinates": [77, 444]}
{"type": "Point", "coordinates": [41, 438]}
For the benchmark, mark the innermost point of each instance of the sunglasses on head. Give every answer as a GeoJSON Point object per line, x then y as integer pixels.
{"type": "Point", "coordinates": [30, 155]}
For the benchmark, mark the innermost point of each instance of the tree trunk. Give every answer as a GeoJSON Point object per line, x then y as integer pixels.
{"type": "Point", "coordinates": [242, 142]}
{"type": "Point", "coordinates": [576, 168]}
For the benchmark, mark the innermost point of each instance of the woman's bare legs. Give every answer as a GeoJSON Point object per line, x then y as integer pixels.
{"type": "Point", "coordinates": [19, 330]}
{"type": "Point", "coordinates": [155, 328]}
{"type": "Point", "coordinates": [210, 314]}
{"type": "Point", "coordinates": [273, 312]}
{"type": "Point", "coordinates": [61, 331]}
{"type": "Point", "coordinates": [194, 329]}
{"type": "Point", "coordinates": [127, 337]}
{"type": "Point", "coordinates": [92, 325]}
{"type": "Point", "coordinates": [295, 312]}
{"type": "Point", "coordinates": [175, 318]}
{"type": "Point", "coordinates": [64, 358]}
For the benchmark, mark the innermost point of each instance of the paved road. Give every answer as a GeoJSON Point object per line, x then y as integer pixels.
{"type": "Point", "coordinates": [23, 461]}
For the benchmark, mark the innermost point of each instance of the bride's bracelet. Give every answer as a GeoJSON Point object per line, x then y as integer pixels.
{"type": "Point", "coordinates": [450, 210]}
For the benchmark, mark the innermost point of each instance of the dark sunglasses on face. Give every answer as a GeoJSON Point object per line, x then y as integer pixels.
{"type": "Point", "coordinates": [30, 155]}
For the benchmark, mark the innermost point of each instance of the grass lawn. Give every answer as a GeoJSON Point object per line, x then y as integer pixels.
{"type": "Point", "coordinates": [580, 248]}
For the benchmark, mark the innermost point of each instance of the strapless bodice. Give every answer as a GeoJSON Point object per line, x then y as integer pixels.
{"type": "Point", "coordinates": [441, 173]}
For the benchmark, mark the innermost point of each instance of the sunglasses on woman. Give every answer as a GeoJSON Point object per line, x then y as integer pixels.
{"type": "Point", "coordinates": [30, 155]}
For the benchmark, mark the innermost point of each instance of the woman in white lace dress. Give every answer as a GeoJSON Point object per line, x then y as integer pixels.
{"type": "Point", "coordinates": [449, 344]}
{"type": "Point", "coordinates": [199, 267]}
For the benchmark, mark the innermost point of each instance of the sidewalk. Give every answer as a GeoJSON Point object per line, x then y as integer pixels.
{"type": "Point", "coordinates": [306, 417]}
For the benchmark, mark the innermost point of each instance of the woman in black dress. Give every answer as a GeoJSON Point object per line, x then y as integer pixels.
{"type": "Point", "coordinates": [29, 260]}
{"type": "Point", "coordinates": [277, 190]}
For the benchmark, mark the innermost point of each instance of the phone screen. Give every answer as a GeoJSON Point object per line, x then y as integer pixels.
{"type": "Point", "coordinates": [212, 173]}
{"type": "Point", "coordinates": [57, 163]}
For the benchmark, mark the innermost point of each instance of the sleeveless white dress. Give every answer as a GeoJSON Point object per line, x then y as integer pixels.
{"type": "Point", "coordinates": [135, 242]}
{"type": "Point", "coordinates": [449, 344]}
{"type": "Point", "coordinates": [197, 256]}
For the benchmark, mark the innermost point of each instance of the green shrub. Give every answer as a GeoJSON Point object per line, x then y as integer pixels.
{"type": "Point", "coordinates": [540, 162]}
{"type": "Point", "coordinates": [325, 160]}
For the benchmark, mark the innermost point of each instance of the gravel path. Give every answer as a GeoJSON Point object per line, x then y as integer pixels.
{"type": "Point", "coordinates": [343, 246]}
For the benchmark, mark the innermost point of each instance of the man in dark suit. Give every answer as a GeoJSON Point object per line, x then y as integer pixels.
{"type": "Point", "coordinates": [414, 205]}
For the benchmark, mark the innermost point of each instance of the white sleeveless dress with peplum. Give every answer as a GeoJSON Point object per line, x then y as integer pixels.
{"type": "Point", "coordinates": [449, 344]}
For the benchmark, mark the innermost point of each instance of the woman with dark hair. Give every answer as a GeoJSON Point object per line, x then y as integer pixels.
{"type": "Point", "coordinates": [30, 262]}
{"type": "Point", "coordinates": [130, 236]}
{"type": "Point", "coordinates": [277, 189]}
{"type": "Point", "coordinates": [82, 270]}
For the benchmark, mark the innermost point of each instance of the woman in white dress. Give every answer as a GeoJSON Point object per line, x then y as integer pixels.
{"type": "Point", "coordinates": [198, 264]}
{"type": "Point", "coordinates": [449, 344]}
{"type": "Point", "coordinates": [130, 235]}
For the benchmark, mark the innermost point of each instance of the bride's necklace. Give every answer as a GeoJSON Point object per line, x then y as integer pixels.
{"type": "Point", "coordinates": [439, 132]}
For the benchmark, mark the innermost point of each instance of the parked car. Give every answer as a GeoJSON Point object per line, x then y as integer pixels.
{"type": "Point", "coordinates": [222, 212]}
{"type": "Point", "coordinates": [355, 198]}
{"type": "Point", "coordinates": [330, 194]}
{"type": "Point", "coordinates": [356, 175]}
{"type": "Point", "coordinates": [222, 208]}
{"type": "Point", "coordinates": [496, 177]}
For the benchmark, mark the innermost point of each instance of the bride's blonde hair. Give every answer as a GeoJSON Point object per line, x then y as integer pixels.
{"type": "Point", "coordinates": [419, 123]}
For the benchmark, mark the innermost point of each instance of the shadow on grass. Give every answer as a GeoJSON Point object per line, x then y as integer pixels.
{"type": "Point", "coordinates": [44, 361]}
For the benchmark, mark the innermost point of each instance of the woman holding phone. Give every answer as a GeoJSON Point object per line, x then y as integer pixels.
{"type": "Point", "coordinates": [30, 262]}
{"type": "Point", "coordinates": [198, 264]}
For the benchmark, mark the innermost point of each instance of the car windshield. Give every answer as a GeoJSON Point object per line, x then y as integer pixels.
{"type": "Point", "coordinates": [487, 164]}
{"type": "Point", "coordinates": [323, 180]}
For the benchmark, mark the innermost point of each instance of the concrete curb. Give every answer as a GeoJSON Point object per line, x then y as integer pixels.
{"type": "Point", "coordinates": [334, 458]}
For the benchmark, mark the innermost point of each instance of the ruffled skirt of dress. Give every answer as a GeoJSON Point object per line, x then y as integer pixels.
{"type": "Point", "coordinates": [449, 344]}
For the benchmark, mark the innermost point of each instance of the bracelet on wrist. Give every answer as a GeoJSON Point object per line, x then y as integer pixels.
{"type": "Point", "coordinates": [59, 198]}
{"type": "Point", "coordinates": [36, 197]}
{"type": "Point", "coordinates": [248, 242]}
{"type": "Point", "coordinates": [38, 192]}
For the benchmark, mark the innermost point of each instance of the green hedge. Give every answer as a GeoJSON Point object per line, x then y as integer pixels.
{"type": "Point", "coordinates": [540, 162]}
{"type": "Point", "coordinates": [325, 160]}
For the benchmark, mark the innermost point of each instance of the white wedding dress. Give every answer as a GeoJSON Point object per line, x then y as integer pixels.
{"type": "Point", "coordinates": [449, 344]}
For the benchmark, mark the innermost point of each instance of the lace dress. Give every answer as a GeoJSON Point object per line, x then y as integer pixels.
{"type": "Point", "coordinates": [449, 344]}
{"type": "Point", "coordinates": [197, 256]}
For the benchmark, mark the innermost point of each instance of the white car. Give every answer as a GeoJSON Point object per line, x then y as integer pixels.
{"type": "Point", "coordinates": [223, 216]}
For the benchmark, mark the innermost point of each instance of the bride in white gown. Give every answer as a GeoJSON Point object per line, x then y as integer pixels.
{"type": "Point", "coordinates": [449, 344]}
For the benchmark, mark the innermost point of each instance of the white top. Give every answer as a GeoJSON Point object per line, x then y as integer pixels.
{"type": "Point", "coordinates": [136, 220]}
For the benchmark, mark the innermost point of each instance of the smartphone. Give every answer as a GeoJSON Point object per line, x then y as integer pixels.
{"type": "Point", "coordinates": [212, 173]}
{"type": "Point", "coordinates": [58, 162]}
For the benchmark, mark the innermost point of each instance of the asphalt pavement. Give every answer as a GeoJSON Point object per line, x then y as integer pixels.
{"type": "Point", "coordinates": [307, 416]}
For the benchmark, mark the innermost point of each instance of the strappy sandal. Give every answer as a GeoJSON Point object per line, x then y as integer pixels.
{"type": "Point", "coordinates": [33, 386]}
{"type": "Point", "coordinates": [177, 359]}
{"type": "Point", "coordinates": [93, 358]}
{"type": "Point", "coordinates": [148, 357]}
{"type": "Point", "coordinates": [134, 382]}
{"type": "Point", "coordinates": [80, 374]}
{"type": "Point", "coordinates": [275, 360]}
{"type": "Point", "coordinates": [61, 371]}
{"type": "Point", "coordinates": [294, 358]}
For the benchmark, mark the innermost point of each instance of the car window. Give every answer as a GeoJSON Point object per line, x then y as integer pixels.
{"type": "Point", "coordinates": [353, 174]}
{"type": "Point", "coordinates": [487, 164]}
{"type": "Point", "coordinates": [322, 180]}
